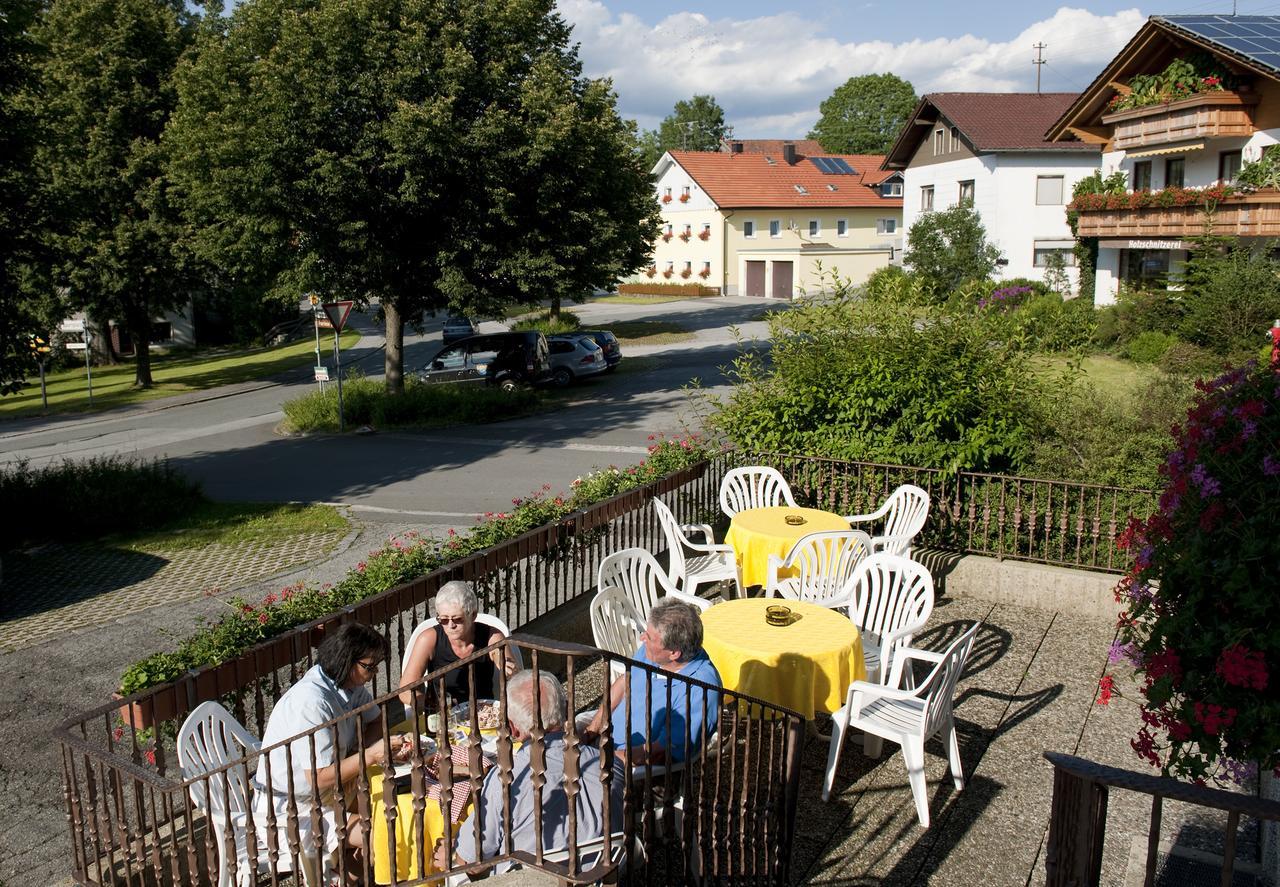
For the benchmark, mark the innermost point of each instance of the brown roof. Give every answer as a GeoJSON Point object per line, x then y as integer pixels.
{"type": "Point", "coordinates": [989, 121]}
{"type": "Point", "coordinates": [773, 146]}
{"type": "Point", "coordinates": [750, 180]}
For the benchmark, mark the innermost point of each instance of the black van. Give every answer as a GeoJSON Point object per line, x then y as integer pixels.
{"type": "Point", "coordinates": [507, 360]}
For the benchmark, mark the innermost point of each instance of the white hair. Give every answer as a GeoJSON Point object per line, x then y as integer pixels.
{"type": "Point", "coordinates": [459, 594]}
{"type": "Point", "coordinates": [551, 702]}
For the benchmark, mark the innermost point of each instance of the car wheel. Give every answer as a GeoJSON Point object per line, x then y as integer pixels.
{"type": "Point", "coordinates": [509, 385]}
{"type": "Point", "coordinates": [561, 377]}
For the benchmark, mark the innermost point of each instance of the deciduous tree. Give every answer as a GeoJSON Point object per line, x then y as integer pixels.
{"type": "Point", "coordinates": [865, 114]}
{"type": "Point", "coordinates": [950, 247]}
{"type": "Point", "coordinates": [693, 125]}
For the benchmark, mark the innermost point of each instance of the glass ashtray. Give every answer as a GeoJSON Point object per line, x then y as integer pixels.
{"type": "Point", "coordinates": [795, 520]}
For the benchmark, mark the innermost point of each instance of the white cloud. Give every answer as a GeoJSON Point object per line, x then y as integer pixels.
{"type": "Point", "coordinates": [770, 73]}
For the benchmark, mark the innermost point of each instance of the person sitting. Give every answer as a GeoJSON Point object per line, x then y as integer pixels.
{"type": "Point", "coordinates": [346, 661]}
{"type": "Point", "coordinates": [672, 640]}
{"type": "Point", "coordinates": [456, 636]}
{"type": "Point", "coordinates": [522, 717]}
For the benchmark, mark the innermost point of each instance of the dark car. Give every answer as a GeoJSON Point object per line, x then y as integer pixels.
{"type": "Point", "coordinates": [507, 360]}
{"type": "Point", "coordinates": [608, 343]}
{"type": "Point", "coordinates": [456, 328]}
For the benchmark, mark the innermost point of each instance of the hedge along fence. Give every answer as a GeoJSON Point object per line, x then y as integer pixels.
{"type": "Point", "coordinates": [696, 290]}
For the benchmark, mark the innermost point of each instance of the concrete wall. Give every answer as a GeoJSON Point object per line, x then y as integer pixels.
{"type": "Point", "coordinates": [1038, 586]}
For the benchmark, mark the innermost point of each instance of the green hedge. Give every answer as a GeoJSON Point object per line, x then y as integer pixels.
{"type": "Point", "coordinates": [696, 290]}
{"type": "Point", "coordinates": [366, 402]}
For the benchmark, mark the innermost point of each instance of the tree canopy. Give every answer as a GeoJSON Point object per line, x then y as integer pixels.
{"type": "Point", "coordinates": [422, 154]}
{"type": "Point", "coordinates": [949, 247]}
{"type": "Point", "coordinates": [865, 114]}
{"type": "Point", "coordinates": [693, 125]}
{"type": "Point", "coordinates": [106, 83]}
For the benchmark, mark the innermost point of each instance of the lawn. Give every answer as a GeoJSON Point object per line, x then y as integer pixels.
{"type": "Point", "coordinates": [227, 523]}
{"type": "Point", "coordinates": [172, 373]}
{"type": "Point", "coordinates": [648, 332]}
{"type": "Point", "coordinates": [1112, 375]}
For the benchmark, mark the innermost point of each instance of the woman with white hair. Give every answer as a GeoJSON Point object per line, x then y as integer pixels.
{"type": "Point", "coordinates": [456, 636]}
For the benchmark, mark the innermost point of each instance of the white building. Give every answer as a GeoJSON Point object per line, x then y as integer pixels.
{"type": "Point", "coordinates": [1195, 141]}
{"type": "Point", "coordinates": [990, 149]}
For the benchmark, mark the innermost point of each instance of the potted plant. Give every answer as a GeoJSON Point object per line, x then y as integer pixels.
{"type": "Point", "coordinates": [666, 236]}
{"type": "Point", "coordinates": [705, 234]}
{"type": "Point", "coordinates": [684, 198]}
{"type": "Point", "coordinates": [666, 198]}
{"type": "Point", "coordinates": [685, 273]}
{"type": "Point", "coordinates": [666, 273]}
{"type": "Point", "coordinates": [1200, 596]}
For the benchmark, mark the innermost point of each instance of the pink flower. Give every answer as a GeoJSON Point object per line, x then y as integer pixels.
{"type": "Point", "coordinates": [263, 617]}
{"type": "Point", "coordinates": [150, 755]}
{"type": "Point", "coordinates": [360, 567]}
{"type": "Point", "coordinates": [118, 733]}
{"type": "Point", "coordinates": [516, 502]}
{"type": "Point", "coordinates": [269, 599]}
{"type": "Point", "coordinates": [452, 531]}
{"type": "Point", "coordinates": [1241, 667]}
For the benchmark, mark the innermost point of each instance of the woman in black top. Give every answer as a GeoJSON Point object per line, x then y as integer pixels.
{"type": "Point", "coordinates": [456, 637]}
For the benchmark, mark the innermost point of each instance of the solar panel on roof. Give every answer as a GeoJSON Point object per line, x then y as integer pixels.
{"type": "Point", "coordinates": [1254, 36]}
{"type": "Point", "coordinates": [832, 166]}
{"type": "Point", "coordinates": [842, 166]}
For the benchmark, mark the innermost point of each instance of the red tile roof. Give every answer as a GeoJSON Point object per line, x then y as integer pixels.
{"type": "Point", "coordinates": [773, 146]}
{"type": "Point", "coordinates": [750, 180]}
{"type": "Point", "coordinates": [989, 121]}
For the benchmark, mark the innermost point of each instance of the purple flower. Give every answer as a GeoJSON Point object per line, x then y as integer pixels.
{"type": "Point", "coordinates": [1248, 428]}
{"type": "Point", "coordinates": [1239, 772]}
{"type": "Point", "coordinates": [1122, 651]}
{"type": "Point", "coordinates": [1210, 488]}
{"type": "Point", "coordinates": [1198, 475]}
{"type": "Point", "coordinates": [1270, 467]}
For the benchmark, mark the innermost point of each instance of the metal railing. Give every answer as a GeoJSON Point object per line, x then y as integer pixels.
{"type": "Point", "coordinates": [1078, 817]}
{"type": "Point", "coordinates": [721, 811]}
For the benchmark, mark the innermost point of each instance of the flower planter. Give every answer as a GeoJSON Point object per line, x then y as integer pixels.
{"type": "Point", "coordinates": [145, 713]}
{"type": "Point", "coordinates": [684, 198]}
{"type": "Point", "coordinates": [1216, 114]}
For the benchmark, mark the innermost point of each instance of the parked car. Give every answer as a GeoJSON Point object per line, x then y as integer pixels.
{"type": "Point", "coordinates": [456, 328]}
{"type": "Point", "coordinates": [507, 360]}
{"type": "Point", "coordinates": [608, 343]}
{"type": "Point", "coordinates": [574, 355]}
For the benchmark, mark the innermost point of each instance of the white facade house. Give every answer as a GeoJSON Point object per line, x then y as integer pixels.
{"type": "Point", "coordinates": [988, 149]}
{"type": "Point", "coordinates": [1198, 141]}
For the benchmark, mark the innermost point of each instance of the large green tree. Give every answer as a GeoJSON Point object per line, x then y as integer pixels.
{"type": "Point", "coordinates": [865, 114]}
{"type": "Point", "coordinates": [106, 95]}
{"type": "Point", "coordinates": [950, 247]}
{"type": "Point", "coordinates": [693, 125]}
{"type": "Point", "coordinates": [414, 152]}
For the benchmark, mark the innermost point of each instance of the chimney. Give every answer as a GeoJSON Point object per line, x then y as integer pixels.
{"type": "Point", "coordinates": [789, 153]}
{"type": "Point", "coordinates": [735, 147]}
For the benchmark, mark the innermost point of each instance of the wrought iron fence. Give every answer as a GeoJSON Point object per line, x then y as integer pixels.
{"type": "Point", "coordinates": [1045, 521]}
{"type": "Point", "coordinates": [717, 806]}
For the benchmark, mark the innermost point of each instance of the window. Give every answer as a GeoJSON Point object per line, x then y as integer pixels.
{"type": "Point", "coordinates": [938, 136]}
{"type": "Point", "coordinates": [801, 189]}
{"type": "Point", "coordinates": [684, 193]}
{"type": "Point", "coordinates": [667, 231]}
{"type": "Point", "coordinates": [775, 228]}
{"type": "Point", "coordinates": [842, 227]}
{"type": "Point", "coordinates": [666, 194]}
{"type": "Point", "coordinates": [1142, 176]}
{"type": "Point", "coordinates": [670, 267]}
{"type": "Point", "coordinates": [926, 199]}
{"type": "Point", "coordinates": [1041, 254]}
{"type": "Point", "coordinates": [749, 229]}
{"type": "Point", "coordinates": [688, 230]}
{"type": "Point", "coordinates": [955, 139]}
{"type": "Point", "coordinates": [886, 226]}
{"type": "Point", "coordinates": [1048, 190]}
{"type": "Point", "coordinates": [706, 228]}
{"type": "Point", "coordinates": [1175, 172]}
{"type": "Point", "coordinates": [891, 189]}
{"type": "Point", "coordinates": [1139, 265]}
{"type": "Point", "coordinates": [706, 268]}
{"type": "Point", "coordinates": [815, 227]}
{"type": "Point", "coordinates": [453, 359]}
{"type": "Point", "coordinates": [966, 192]}
{"type": "Point", "coordinates": [1228, 166]}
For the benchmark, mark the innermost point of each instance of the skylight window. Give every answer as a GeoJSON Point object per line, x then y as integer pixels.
{"type": "Point", "coordinates": [801, 189]}
{"type": "Point", "coordinates": [831, 187]}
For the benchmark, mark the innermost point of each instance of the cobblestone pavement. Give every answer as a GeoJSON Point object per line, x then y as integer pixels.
{"type": "Point", "coordinates": [73, 586]}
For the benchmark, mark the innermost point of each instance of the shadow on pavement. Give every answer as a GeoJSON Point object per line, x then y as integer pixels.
{"type": "Point", "coordinates": [69, 574]}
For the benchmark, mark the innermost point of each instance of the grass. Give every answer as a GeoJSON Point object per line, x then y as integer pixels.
{"type": "Point", "coordinates": [172, 374]}
{"type": "Point", "coordinates": [227, 523]}
{"type": "Point", "coordinates": [642, 300]}
{"type": "Point", "coordinates": [649, 332]}
{"type": "Point", "coordinates": [1115, 376]}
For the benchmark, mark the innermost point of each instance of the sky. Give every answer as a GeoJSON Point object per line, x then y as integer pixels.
{"type": "Point", "coordinates": [770, 64]}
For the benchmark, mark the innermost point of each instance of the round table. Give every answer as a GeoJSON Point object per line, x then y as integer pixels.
{"type": "Point", "coordinates": [406, 833]}
{"type": "Point", "coordinates": [807, 665]}
{"type": "Point", "coordinates": [756, 533]}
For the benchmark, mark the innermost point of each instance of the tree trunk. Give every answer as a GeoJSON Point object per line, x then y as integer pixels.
{"type": "Point", "coordinates": [555, 309]}
{"type": "Point", "coordinates": [394, 362]}
{"type": "Point", "coordinates": [140, 330]}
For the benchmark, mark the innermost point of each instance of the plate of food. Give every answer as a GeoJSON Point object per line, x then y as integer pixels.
{"type": "Point", "coordinates": [488, 712]}
{"type": "Point", "coordinates": [427, 745]}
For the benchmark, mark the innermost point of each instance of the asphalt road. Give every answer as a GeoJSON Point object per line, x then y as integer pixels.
{"type": "Point", "coordinates": [231, 445]}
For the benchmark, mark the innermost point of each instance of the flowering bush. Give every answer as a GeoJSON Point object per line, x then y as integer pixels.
{"type": "Point", "coordinates": [1006, 298]}
{"type": "Point", "coordinates": [1200, 596]}
{"type": "Point", "coordinates": [1166, 197]}
{"type": "Point", "coordinates": [1182, 79]}
{"type": "Point", "coordinates": [402, 559]}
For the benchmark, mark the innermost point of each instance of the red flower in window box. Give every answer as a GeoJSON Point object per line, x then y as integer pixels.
{"type": "Point", "coordinates": [650, 271]}
{"type": "Point", "coordinates": [666, 198]}
{"type": "Point", "coordinates": [666, 235]}
{"type": "Point", "coordinates": [705, 235]}
{"type": "Point", "coordinates": [666, 273]}
{"type": "Point", "coordinates": [685, 273]}
{"type": "Point", "coordinates": [685, 235]}
{"type": "Point", "coordinates": [684, 198]}
{"type": "Point", "coordinates": [704, 273]}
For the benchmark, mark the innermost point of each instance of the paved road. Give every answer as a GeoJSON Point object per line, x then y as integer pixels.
{"type": "Point", "coordinates": [441, 477]}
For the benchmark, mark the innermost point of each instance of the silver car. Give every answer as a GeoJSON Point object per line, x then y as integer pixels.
{"type": "Point", "coordinates": [574, 355]}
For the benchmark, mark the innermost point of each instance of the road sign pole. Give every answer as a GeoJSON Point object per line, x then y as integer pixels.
{"type": "Point", "coordinates": [88, 364]}
{"type": "Point", "coordinates": [337, 368]}
{"type": "Point", "coordinates": [44, 395]}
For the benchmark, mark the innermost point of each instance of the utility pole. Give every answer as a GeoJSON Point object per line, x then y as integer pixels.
{"type": "Point", "coordinates": [1038, 61]}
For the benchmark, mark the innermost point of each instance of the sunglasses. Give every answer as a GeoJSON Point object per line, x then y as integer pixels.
{"type": "Point", "coordinates": [451, 620]}
{"type": "Point", "coordinates": [366, 665]}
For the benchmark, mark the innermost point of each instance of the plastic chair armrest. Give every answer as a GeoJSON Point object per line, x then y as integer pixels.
{"type": "Point", "coordinates": [693, 599]}
{"type": "Point", "coordinates": [890, 639]}
{"type": "Point", "coordinates": [704, 529]}
{"type": "Point", "coordinates": [905, 656]}
{"type": "Point", "coordinates": [875, 515]}
{"type": "Point", "coordinates": [771, 583]}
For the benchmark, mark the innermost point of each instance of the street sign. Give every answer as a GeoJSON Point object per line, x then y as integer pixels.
{"type": "Point", "coordinates": [72, 326]}
{"type": "Point", "coordinates": [335, 315]}
{"type": "Point", "coordinates": [322, 374]}
{"type": "Point", "coordinates": [75, 346]}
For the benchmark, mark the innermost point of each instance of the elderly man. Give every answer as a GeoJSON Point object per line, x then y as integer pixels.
{"type": "Point", "coordinates": [660, 731]}
{"type": "Point", "coordinates": [521, 717]}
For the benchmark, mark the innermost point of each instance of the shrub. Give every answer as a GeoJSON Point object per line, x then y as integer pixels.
{"type": "Point", "coordinates": [1232, 295]}
{"type": "Point", "coordinates": [367, 402]}
{"type": "Point", "coordinates": [655, 288]}
{"type": "Point", "coordinates": [567, 322]}
{"type": "Point", "coordinates": [1149, 346]}
{"type": "Point", "coordinates": [69, 501]}
{"type": "Point", "coordinates": [949, 247]}
{"type": "Point", "coordinates": [1200, 602]}
{"type": "Point", "coordinates": [896, 286]}
{"type": "Point", "coordinates": [1055, 324]}
{"type": "Point", "coordinates": [1138, 311]}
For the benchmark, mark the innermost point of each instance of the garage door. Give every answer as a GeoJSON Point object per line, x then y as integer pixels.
{"type": "Point", "coordinates": [782, 277]}
{"type": "Point", "coordinates": [755, 280]}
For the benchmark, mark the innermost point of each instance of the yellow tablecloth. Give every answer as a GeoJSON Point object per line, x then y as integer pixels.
{"type": "Point", "coordinates": [757, 533]}
{"type": "Point", "coordinates": [807, 665]}
{"type": "Point", "coordinates": [406, 833]}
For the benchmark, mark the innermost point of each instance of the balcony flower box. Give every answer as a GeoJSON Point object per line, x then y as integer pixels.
{"type": "Point", "coordinates": [684, 198]}
{"type": "Point", "coordinates": [666, 236]}
{"type": "Point", "coordinates": [1213, 114]}
{"type": "Point", "coordinates": [650, 271]}
{"type": "Point", "coordinates": [686, 273]}
{"type": "Point", "coordinates": [705, 235]}
{"type": "Point", "coordinates": [1178, 213]}
{"type": "Point", "coordinates": [685, 236]}
{"type": "Point", "coordinates": [666, 198]}
{"type": "Point", "coordinates": [666, 273]}
{"type": "Point", "coordinates": [704, 273]}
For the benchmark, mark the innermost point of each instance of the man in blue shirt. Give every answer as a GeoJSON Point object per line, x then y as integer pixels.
{"type": "Point", "coordinates": [667, 718]}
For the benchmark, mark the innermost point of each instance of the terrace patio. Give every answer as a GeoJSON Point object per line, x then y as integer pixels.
{"type": "Point", "coordinates": [1029, 687]}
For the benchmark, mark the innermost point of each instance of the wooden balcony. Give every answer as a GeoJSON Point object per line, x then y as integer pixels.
{"type": "Point", "coordinates": [1207, 115]}
{"type": "Point", "coordinates": [1245, 215]}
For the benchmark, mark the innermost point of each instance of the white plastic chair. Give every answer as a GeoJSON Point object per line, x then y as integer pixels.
{"type": "Point", "coordinates": [639, 575]}
{"type": "Point", "coordinates": [616, 626]}
{"type": "Point", "coordinates": [430, 623]}
{"type": "Point", "coordinates": [210, 738]}
{"type": "Point", "coordinates": [907, 717]}
{"type": "Point", "coordinates": [825, 563]}
{"type": "Point", "coordinates": [904, 514]}
{"type": "Point", "coordinates": [892, 600]}
{"type": "Point", "coordinates": [755, 487]}
{"type": "Point", "coordinates": [690, 564]}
